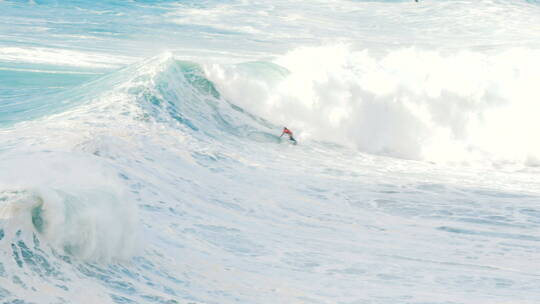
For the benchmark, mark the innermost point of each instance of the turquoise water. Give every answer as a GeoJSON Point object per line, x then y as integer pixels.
{"type": "Point", "coordinates": [141, 159]}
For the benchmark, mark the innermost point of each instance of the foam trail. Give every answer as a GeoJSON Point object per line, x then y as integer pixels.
{"type": "Point", "coordinates": [62, 57]}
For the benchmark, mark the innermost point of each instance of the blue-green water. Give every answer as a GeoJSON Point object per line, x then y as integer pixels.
{"type": "Point", "coordinates": [141, 159]}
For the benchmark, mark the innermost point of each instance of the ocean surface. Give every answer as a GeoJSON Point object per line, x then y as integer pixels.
{"type": "Point", "coordinates": [140, 157]}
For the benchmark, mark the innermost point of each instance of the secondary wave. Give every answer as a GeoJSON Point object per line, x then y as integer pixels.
{"type": "Point", "coordinates": [74, 202]}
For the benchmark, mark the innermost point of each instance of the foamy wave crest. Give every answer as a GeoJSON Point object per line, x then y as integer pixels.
{"type": "Point", "coordinates": [73, 202]}
{"type": "Point", "coordinates": [410, 103]}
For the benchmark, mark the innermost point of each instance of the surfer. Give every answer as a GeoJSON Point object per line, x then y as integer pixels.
{"type": "Point", "coordinates": [288, 132]}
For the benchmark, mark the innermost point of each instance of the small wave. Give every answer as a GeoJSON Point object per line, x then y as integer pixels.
{"type": "Point", "coordinates": [72, 202]}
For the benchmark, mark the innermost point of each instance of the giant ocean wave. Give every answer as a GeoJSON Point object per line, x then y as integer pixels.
{"type": "Point", "coordinates": [141, 162]}
{"type": "Point", "coordinates": [461, 108]}
{"type": "Point", "coordinates": [169, 169]}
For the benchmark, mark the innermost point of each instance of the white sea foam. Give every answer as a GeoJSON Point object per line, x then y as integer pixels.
{"type": "Point", "coordinates": [410, 103]}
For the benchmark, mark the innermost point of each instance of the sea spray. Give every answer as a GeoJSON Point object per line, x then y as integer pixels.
{"type": "Point", "coordinates": [410, 103]}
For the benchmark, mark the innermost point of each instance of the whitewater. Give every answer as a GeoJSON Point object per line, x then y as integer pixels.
{"type": "Point", "coordinates": [141, 159]}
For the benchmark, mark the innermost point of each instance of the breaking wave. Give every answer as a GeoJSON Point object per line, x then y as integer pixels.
{"type": "Point", "coordinates": [409, 103]}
